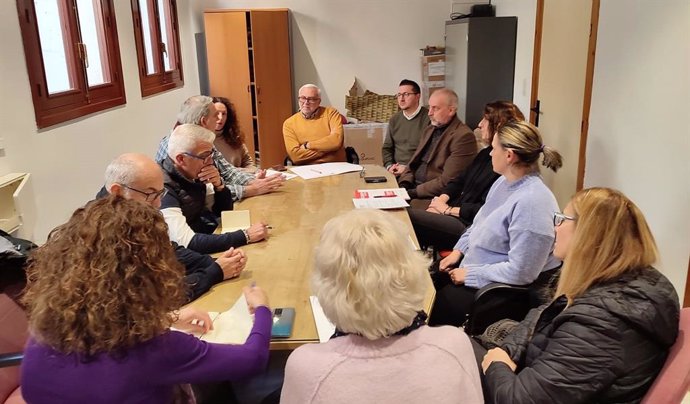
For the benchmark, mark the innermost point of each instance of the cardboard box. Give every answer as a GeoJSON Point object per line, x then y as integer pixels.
{"type": "Point", "coordinates": [367, 140]}
{"type": "Point", "coordinates": [434, 68]}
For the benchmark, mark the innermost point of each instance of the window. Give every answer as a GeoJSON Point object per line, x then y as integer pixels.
{"type": "Point", "coordinates": [157, 38]}
{"type": "Point", "coordinates": [72, 55]}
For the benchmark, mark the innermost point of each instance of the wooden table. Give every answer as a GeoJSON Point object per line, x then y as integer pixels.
{"type": "Point", "coordinates": [282, 265]}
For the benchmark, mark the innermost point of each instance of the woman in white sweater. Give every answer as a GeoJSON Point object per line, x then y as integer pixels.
{"type": "Point", "coordinates": [371, 285]}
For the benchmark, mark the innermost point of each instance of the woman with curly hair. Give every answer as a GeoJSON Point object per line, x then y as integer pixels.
{"type": "Point", "coordinates": [229, 139]}
{"type": "Point", "coordinates": [606, 335]}
{"type": "Point", "coordinates": [102, 294]}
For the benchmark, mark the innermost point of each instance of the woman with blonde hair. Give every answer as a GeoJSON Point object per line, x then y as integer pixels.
{"type": "Point", "coordinates": [371, 285]}
{"type": "Point", "coordinates": [606, 335]}
{"type": "Point", "coordinates": [102, 294]}
{"type": "Point", "coordinates": [511, 238]}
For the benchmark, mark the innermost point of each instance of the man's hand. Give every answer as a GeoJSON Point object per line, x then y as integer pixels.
{"type": "Point", "coordinates": [210, 174]}
{"type": "Point", "coordinates": [448, 262]}
{"type": "Point", "coordinates": [193, 320]}
{"type": "Point", "coordinates": [260, 186]}
{"type": "Point", "coordinates": [261, 173]}
{"type": "Point", "coordinates": [397, 169]}
{"type": "Point", "coordinates": [232, 262]}
{"type": "Point", "coordinates": [257, 232]}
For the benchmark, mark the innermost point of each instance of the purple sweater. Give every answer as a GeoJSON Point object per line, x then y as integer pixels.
{"type": "Point", "coordinates": [147, 373]}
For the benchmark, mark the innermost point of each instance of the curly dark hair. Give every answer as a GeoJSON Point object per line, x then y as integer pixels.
{"type": "Point", "coordinates": [231, 132]}
{"type": "Point", "coordinates": [105, 281]}
{"type": "Point", "coordinates": [498, 113]}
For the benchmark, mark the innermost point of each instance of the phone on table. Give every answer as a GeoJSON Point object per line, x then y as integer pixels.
{"type": "Point", "coordinates": [283, 319]}
{"type": "Point", "coordinates": [374, 180]}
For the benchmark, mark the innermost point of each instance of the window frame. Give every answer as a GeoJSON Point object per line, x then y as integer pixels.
{"type": "Point", "coordinates": [81, 100]}
{"type": "Point", "coordinates": [162, 80]}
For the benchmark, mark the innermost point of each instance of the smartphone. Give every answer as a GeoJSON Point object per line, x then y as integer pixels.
{"type": "Point", "coordinates": [374, 180]}
{"type": "Point", "coordinates": [283, 319]}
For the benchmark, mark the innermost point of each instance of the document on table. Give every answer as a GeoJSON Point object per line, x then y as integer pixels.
{"type": "Point", "coordinates": [382, 193]}
{"type": "Point", "coordinates": [232, 220]}
{"type": "Point", "coordinates": [324, 170]}
{"type": "Point", "coordinates": [324, 327]}
{"type": "Point", "coordinates": [230, 327]}
{"type": "Point", "coordinates": [287, 175]}
{"type": "Point", "coordinates": [393, 202]}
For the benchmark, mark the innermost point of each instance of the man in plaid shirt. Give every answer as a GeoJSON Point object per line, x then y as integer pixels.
{"type": "Point", "coordinates": [200, 110]}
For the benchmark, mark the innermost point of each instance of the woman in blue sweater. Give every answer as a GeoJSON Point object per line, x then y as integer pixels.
{"type": "Point", "coordinates": [102, 295]}
{"type": "Point", "coordinates": [512, 236]}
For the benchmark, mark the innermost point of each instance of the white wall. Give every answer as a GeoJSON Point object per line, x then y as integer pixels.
{"type": "Point", "coordinates": [639, 132]}
{"type": "Point", "coordinates": [67, 161]}
{"type": "Point", "coordinates": [526, 12]}
{"type": "Point", "coordinates": [376, 41]}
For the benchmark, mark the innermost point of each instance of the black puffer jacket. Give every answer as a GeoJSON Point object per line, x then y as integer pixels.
{"type": "Point", "coordinates": [607, 347]}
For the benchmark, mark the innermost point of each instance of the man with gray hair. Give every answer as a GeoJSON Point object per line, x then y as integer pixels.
{"type": "Point", "coordinates": [135, 176]}
{"type": "Point", "coordinates": [314, 134]}
{"type": "Point", "coordinates": [200, 110]}
{"type": "Point", "coordinates": [446, 148]}
{"type": "Point", "coordinates": [197, 195]}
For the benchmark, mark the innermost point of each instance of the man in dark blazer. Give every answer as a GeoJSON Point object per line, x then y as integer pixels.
{"type": "Point", "coordinates": [445, 150]}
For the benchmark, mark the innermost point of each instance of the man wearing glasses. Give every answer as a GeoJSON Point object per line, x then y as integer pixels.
{"type": "Point", "coordinates": [404, 128]}
{"type": "Point", "coordinates": [314, 134]}
{"type": "Point", "coordinates": [136, 177]}
{"type": "Point", "coordinates": [197, 195]}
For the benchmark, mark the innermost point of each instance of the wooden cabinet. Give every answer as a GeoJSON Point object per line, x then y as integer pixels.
{"type": "Point", "coordinates": [249, 62]}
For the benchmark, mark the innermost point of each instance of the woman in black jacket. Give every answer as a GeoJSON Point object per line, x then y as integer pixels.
{"type": "Point", "coordinates": [606, 335]}
{"type": "Point", "coordinates": [449, 214]}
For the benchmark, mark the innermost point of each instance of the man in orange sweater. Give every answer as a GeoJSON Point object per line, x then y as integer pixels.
{"type": "Point", "coordinates": [315, 133]}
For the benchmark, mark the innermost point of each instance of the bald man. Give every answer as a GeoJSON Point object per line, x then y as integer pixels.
{"type": "Point", "coordinates": [137, 177]}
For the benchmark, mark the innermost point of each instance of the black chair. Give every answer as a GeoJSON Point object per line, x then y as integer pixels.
{"type": "Point", "coordinates": [350, 155]}
{"type": "Point", "coordinates": [498, 301]}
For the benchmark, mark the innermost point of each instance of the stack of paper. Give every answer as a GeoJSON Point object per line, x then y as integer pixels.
{"type": "Point", "coordinates": [232, 220]}
{"type": "Point", "coordinates": [393, 202]}
{"type": "Point", "coordinates": [324, 170]}
{"type": "Point", "coordinates": [382, 193]}
{"type": "Point", "coordinates": [324, 328]}
{"type": "Point", "coordinates": [287, 175]}
{"type": "Point", "coordinates": [230, 327]}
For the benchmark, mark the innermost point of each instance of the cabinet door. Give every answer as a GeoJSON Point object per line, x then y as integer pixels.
{"type": "Point", "coordinates": [228, 64]}
{"type": "Point", "coordinates": [271, 42]}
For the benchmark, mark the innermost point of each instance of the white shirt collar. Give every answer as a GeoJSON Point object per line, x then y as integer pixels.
{"type": "Point", "coordinates": [414, 114]}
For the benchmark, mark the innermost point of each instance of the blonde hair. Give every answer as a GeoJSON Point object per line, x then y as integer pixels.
{"type": "Point", "coordinates": [105, 281]}
{"type": "Point", "coordinates": [611, 237]}
{"type": "Point", "coordinates": [524, 140]}
{"type": "Point", "coordinates": [367, 278]}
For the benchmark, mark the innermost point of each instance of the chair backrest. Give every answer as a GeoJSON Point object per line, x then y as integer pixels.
{"type": "Point", "coordinates": [673, 382]}
{"type": "Point", "coordinates": [351, 155]}
{"type": "Point", "coordinates": [13, 335]}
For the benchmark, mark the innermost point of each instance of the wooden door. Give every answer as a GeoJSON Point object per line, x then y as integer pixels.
{"type": "Point", "coordinates": [562, 86]}
{"type": "Point", "coordinates": [228, 64]}
{"type": "Point", "coordinates": [272, 72]}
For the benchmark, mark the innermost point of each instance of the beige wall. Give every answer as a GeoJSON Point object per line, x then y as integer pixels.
{"type": "Point", "coordinates": [67, 161]}
{"type": "Point", "coordinates": [639, 132]}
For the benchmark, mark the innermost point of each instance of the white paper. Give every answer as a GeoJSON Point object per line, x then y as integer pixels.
{"type": "Point", "coordinates": [382, 193]}
{"type": "Point", "coordinates": [324, 170]}
{"type": "Point", "coordinates": [232, 220]}
{"type": "Point", "coordinates": [287, 175]}
{"type": "Point", "coordinates": [436, 68]}
{"type": "Point", "coordinates": [380, 203]}
{"type": "Point", "coordinates": [324, 328]}
{"type": "Point", "coordinates": [232, 326]}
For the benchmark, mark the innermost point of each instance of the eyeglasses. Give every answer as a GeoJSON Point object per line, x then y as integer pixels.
{"type": "Point", "coordinates": [150, 196]}
{"type": "Point", "coordinates": [404, 95]}
{"type": "Point", "coordinates": [205, 156]}
{"type": "Point", "coordinates": [305, 100]}
{"type": "Point", "coordinates": [559, 218]}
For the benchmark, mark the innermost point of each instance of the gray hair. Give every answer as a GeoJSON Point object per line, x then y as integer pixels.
{"type": "Point", "coordinates": [194, 109]}
{"type": "Point", "coordinates": [122, 170]}
{"type": "Point", "coordinates": [186, 137]}
{"type": "Point", "coordinates": [451, 96]}
{"type": "Point", "coordinates": [318, 90]}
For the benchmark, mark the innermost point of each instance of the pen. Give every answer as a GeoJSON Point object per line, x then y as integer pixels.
{"type": "Point", "coordinates": [316, 171]}
{"type": "Point", "coordinates": [384, 196]}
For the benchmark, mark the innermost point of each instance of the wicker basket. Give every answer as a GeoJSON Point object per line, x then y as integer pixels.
{"type": "Point", "coordinates": [371, 107]}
